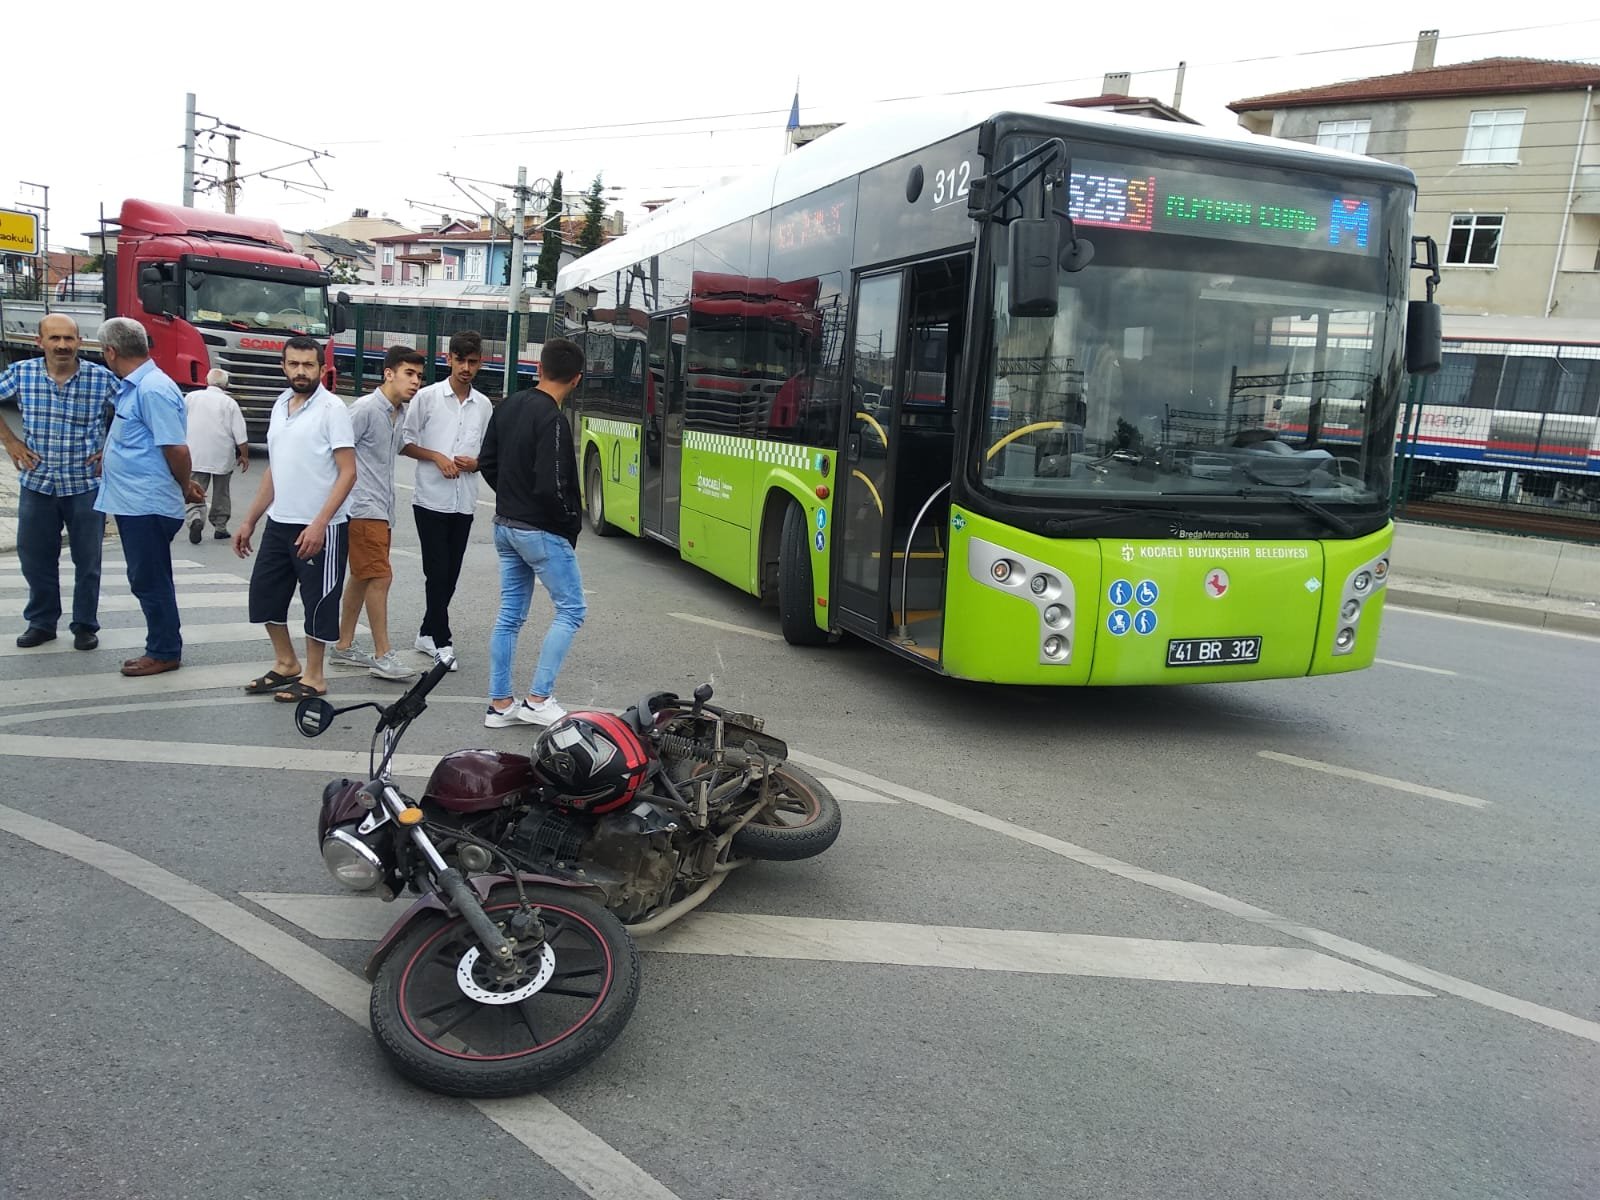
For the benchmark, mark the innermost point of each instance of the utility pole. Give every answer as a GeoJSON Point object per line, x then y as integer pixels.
{"type": "Point", "coordinates": [514, 293]}
{"type": "Point", "coordinates": [44, 238]}
{"type": "Point", "coordinates": [230, 182]}
{"type": "Point", "coordinates": [188, 150]}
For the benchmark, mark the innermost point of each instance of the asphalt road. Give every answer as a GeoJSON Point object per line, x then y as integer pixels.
{"type": "Point", "coordinates": [1421, 1019]}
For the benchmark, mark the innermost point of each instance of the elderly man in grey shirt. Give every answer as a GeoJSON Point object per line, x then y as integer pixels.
{"type": "Point", "coordinates": [378, 420]}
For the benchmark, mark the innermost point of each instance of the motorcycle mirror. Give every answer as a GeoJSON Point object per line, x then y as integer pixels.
{"type": "Point", "coordinates": [314, 716]}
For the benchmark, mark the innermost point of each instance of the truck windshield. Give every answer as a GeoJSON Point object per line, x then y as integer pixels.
{"type": "Point", "coordinates": [1208, 350]}
{"type": "Point", "coordinates": [231, 300]}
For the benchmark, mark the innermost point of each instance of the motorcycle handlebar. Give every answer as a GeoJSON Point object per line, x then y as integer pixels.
{"type": "Point", "coordinates": [410, 706]}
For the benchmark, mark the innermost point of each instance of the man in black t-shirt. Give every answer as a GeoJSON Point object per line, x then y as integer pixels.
{"type": "Point", "coordinates": [528, 459]}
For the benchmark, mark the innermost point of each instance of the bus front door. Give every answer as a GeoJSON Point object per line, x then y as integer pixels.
{"type": "Point", "coordinates": [864, 513]}
{"type": "Point", "coordinates": [661, 462]}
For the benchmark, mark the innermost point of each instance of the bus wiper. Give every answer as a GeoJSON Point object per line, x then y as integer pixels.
{"type": "Point", "coordinates": [1304, 502]}
{"type": "Point", "coordinates": [1111, 512]}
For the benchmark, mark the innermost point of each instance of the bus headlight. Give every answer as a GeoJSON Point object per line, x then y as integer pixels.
{"type": "Point", "coordinates": [1344, 639]}
{"type": "Point", "coordinates": [1001, 570]}
{"type": "Point", "coordinates": [1362, 581]}
{"type": "Point", "coordinates": [1055, 646]}
{"type": "Point", "coordinates": [1351, 610]}
{"type": "Point", "coordinates": [1057, 616]}
{"type": "Point", "coordinates": [1380, 569]}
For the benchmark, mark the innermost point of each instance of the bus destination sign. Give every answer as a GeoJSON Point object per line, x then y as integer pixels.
{"type": "Point", "coordinates": [1191, 204]}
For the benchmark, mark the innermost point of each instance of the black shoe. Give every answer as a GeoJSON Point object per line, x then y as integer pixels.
{"type": "Point", "coordinates": [221, 535]}
{"type": "Point", "coordinates": [194, 531]}
{"type": "Point", "coordinates": [35, 636]}
{"type": "Point", "coordinates": [84, 640]}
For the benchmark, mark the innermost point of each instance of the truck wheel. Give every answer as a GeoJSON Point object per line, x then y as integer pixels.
{"type": "Point", "coordinates": [796, 600]}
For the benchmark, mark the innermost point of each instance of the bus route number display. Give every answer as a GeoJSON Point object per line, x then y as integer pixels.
{"type": "Point", "coordinates": [1190, 204]}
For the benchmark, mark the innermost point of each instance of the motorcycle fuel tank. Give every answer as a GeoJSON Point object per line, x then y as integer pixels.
{"type": "Point", "coordinates": [471, 781]}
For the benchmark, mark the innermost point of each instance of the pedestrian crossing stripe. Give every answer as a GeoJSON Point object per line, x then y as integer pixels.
{"type": "Point", "coordinates": [781, 454]}
{"type": "Point", "coordinates": [619, 429]}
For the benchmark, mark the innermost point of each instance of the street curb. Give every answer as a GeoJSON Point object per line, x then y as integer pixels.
{"type": "Point", "coordinates": [1510, 614]}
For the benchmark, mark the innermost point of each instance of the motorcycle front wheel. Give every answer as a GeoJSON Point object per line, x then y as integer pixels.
{"type": "Point", "coordinates": [448, 1023]}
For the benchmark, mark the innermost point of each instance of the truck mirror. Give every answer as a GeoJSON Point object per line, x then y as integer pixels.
{"type": "Point", "coordinates": [1034, 245]}
{"type": "Point", "coordinates": [1424, 338]}
{"type": "Point", "coordinates": [341, 313]}
{"type": "Point", "coordinates": [151, 293]}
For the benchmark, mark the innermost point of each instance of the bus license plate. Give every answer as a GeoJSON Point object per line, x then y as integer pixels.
{"type": "Point", "coordinates": [1210, 652]}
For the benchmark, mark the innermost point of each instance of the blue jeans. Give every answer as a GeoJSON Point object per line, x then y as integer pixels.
{"type": "Point", "coordinates": [147, 545]}
{"type": "Point", "coordinates": [39, 522]}
{"type": "Point", "coordinates": [526, 555]}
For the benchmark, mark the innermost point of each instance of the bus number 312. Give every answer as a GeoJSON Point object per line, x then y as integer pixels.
{"type": "Point", "coordinates": [950, 186]}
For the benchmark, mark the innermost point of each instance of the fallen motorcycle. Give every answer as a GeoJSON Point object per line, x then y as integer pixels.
{"type": "Point", "coordinates": [517, 966]}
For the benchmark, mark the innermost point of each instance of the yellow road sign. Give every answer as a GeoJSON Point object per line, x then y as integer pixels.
{"type": "Point", "coordinates": [19, 232]}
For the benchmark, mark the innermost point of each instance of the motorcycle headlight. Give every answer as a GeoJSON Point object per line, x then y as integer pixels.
{"type": "Point", "coordinates": [351, 861]}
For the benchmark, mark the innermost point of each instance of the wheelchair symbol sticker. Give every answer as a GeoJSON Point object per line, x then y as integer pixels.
{"type": "Point", "coordinates": [1147, 592]}
{"type": "Point", "coordinates": [1144, 621]}
{"type": "Point", "coordinates": [1117, 622]}
{"type": "Point", "coordinates": [1120, 592]}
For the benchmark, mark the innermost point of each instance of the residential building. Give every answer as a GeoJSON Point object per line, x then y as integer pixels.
{"type": "Point", "coordinates": [1507, 157]}
{"type": "Point", "coordinates": [473, 250]}
{"type": "Point", "coordinates": [1114, 97]}
{"type": "Point", "coordinates": [347, 260]}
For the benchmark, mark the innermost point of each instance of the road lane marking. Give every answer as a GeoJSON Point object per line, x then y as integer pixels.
{"type": "Point", "coordinates": [186, 601]}
{"type": "Point", "coordinates": [764, 634]}
{"type": "Point", "coordinates": [1405, 666]}
{"type": "Point", "coordinates": [206, 754]}
{"type": "Point", "coordinates": [843, 790]}
{"type": "Point", "coordinates": [891, 943]}
{"type": "Point", "coordinates": [1444, 616]}
{"type": "Point", "coordinates": [1399, 785]}
{"type": "Point", "coordinates": [126, 639]}
{"type": "Point", "coordinates": [19, 584]}
{"type": "Point", "coordinates": [593, 1165]}
{"type": "Point", "coordinates": [113, 685]}
{"type": "Point", "coordinates": [107, 564]}
{"type": "Point", "coordinates": [1423, 976]}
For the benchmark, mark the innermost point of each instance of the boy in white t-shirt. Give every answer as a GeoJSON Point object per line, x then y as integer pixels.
{"type": "Point", "coordinates": [216, 442]}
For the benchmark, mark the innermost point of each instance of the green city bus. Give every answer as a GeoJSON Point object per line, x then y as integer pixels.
{"type": "Point", "coordinates": [1031, 396]}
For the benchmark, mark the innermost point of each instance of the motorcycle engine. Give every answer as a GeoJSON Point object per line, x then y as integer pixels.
{"type": "Point", "coordinates": [629, 855]}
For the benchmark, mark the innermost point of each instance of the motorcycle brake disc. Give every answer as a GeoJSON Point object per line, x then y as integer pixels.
{"type": "Point", "coordinates": [521, 987]}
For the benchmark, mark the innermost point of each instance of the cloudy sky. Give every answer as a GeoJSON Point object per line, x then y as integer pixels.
{"type": "Point", "coordinates": [660, 98]}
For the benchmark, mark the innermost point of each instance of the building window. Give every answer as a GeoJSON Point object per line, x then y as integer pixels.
{"type": "Point", "coordinates": [1344, 135]}
{"type": "Point", "coordinates": [1474, 239]}
{"type": "Point", "coordinates": [1494, 136]}
{"type": "Point", "coordinates": [388, 256]}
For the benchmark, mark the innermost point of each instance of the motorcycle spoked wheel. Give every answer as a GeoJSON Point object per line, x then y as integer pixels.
{"type": "Point", "coordinates": [802, 820]}
{"type": "Point", "coordinates": [548, 1021]}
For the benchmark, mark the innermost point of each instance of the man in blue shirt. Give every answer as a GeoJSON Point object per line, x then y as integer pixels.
{"type": "Point", "coordinates": [64, 405]}
{"type": "Point", "coordinates": [145, 486]}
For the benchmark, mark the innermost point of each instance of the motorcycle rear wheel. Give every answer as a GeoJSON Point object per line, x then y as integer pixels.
{"type": "Point", "coordinates": [436, 1035]}
{"type": "Point", "coordinates": [803, 821]}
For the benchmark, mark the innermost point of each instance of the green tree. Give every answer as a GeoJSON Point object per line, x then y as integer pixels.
{"type": "Point", "coordinates": [594, 219]}
{"type": "Point", "coordinates": [342, 270]}
{"type": "Point", "coordinates": [544, 272]}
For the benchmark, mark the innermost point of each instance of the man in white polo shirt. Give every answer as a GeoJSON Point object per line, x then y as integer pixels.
{"type": "Point", "coordinates": [443, 431]}
{"type": "Point", "coordinates": [305, 494]}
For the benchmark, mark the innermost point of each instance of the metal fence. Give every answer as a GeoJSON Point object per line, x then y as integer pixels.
{"type": "Point", "coordinates": [1506, 436]}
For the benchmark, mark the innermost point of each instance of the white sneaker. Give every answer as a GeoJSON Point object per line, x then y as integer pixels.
{"type": "Point", "coordinates": [546, 712]}
{"type": "Point", "coordinates": [390, 667]}
{"type": "Point", "coordinates": [493, 718]}
{"type": "Point", "coordinates": [447, 652]}
{"type": "Point", "coordinates": [353, 657]}
{"type": "Point", "coordinates": [425, 645]}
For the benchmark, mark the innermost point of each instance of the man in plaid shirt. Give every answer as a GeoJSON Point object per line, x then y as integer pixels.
{"type": "Point", "coordinates": [64, 405]}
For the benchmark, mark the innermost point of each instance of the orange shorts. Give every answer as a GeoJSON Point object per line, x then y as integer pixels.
{"type": "Point", "coordinates": [369, 549]}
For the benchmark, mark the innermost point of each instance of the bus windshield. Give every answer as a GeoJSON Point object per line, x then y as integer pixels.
{"type": "Point", "coordinates": [1163, 381]}
{"type": "Point", "coordinates": [231, 300]}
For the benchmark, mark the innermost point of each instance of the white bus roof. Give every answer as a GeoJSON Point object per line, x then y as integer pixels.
{"type": "Point", "coordinates": [883, 134]}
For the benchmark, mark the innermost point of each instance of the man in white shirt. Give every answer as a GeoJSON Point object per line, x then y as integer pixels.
{"type": "Point", "coordinates": [216, 442]}
{"type": "Point", "coordinates": [443, 431]}
{"type": "Point", "coordinates": [305, 494]}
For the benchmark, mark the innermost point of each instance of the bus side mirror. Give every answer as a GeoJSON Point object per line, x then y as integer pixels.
{"type": "Point", "coordinates": [1034, 249]}
{"type": "Point", "coordinates": [1424, 338]}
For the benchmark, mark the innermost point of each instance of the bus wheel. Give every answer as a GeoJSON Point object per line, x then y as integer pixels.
{"type": "Point", "coordinates": [796, 600]}
{"type": "Point", "coordinates": [595, 500]}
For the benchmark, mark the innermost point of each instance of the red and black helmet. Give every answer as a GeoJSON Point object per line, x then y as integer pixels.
{"type": "Point", "coordinates": [594, 761]}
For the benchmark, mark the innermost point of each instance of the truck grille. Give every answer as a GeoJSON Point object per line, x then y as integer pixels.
{"type": "Point", "coordinates": [256, 381]}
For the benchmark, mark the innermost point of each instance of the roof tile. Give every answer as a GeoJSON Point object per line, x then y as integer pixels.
{"type": "Point", "coordinates": [1486, 76]}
